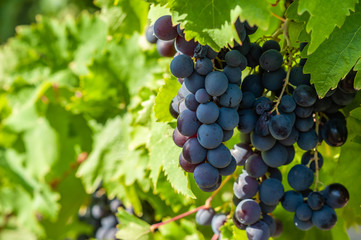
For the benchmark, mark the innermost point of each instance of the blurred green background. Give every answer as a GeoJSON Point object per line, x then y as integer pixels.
{"type": "Point", "coordinates": [21, 12]}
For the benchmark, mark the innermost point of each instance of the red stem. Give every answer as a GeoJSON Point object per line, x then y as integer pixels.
{"type": "Point", "coordinates": [157, 225]}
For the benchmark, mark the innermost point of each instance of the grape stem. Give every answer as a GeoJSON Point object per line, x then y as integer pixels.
{"type": "Point", "coordinates": [278, 17]}
{"type": "Point", "coordinates": [205, 206]}
{"type": "Point", "coordinates": [315, 156]}
{"type": "Point", "coordinates": [289, 65]}
{"type": "Point", "coordinates": [215, 236]}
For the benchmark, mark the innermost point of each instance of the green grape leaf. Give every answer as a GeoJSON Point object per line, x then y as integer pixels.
{"type": "Point", "coordinates": [163, 152]}
{"type": "Point", "coordinates": [212, 22]}
{"type": "Point", "coordinates": [132, 228]}
{"type": "Point", "coordinates": [357, 83]}
{"type": "Point", "coordinates": [294, 31]}
{"type": "Point", "coordinates": [336, 56]}
{"type": "Point", "coordinates": [292, 13]}
{"type": "Point", "coordinates": [318, 24]}
{"type": "Point", "coordinates": [124, 17]}
{"type": "Point", "coordinates": [164, 97]}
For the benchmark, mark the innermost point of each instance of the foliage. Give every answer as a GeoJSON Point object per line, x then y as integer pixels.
{"type": "Point", "coordinates": [83, 102]}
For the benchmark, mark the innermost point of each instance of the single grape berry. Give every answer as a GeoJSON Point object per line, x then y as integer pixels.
{"type": "Point", "coordinates": [163, 28]}
{"type": "Point", "coordinates": [271, 60]}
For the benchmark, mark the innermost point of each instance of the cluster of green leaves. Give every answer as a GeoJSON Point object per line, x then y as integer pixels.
{"type": "Point", "coordinates": [92, 86]}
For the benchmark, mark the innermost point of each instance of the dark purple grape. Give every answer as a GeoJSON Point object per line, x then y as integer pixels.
{"type": "Point", "coordinates": [346, 85]}
{"type": "Point", "coordinates": [255, 166]}
{"type": "Point", "coordinates": [163, 28]}
{"type": "Point", "coordinates": [178, 138]}
{"type": "Point", "coordinates": [193, 152]}
{"type": "Point", "coordinates": [238, 224]}
{"type": "Point", "coordinates": [302, 225]}
{"type": "Point", "coordinates": [291, 200]}
{"type": "Point", "coordinates": [235, 59]}
{"type": "Point", "coordinates": [248, 99]}
{"type": "Point", "coordinates": [166, 48]}
{"type": "Point", "coordinates": [241, 152]}
{"type": "Point", "coordinates": [188, 123]}
{"type": "Point", "coordinates": [262, 125]}
{"type": "Point", "coordinates": [303, 112]}
{"type": "Point", "coordinates": [149, 35]}
{"type": "Point", "coordinates": [204, 66]}
{"type": "Point", "coordinates": [205, 175]}
{"type": "Point", "coordinates": [262, 105]}
{"type": "Point", "coordinates": [297, 77]}
{"type": "Point", "coordinates": [270, 222]}
{"type": "Point", "coordinates": [307, 140]}
{"type": "Point", "coordinates": [173, 107]}
{"type": "Point", "coordinates": [202, 96]}
{"type": "Point", "coordinates": [271, 60]}
{"type": "Point", "coordinates": [228, 118]}
{"type": "Point", "coordinates": [227, 134]}
{"type": "Point", "coordinates": [247, 120]}
{"type": "Point", "coordinates": [184, 46]}
{"type": "Point", "coordinates": [258, 231]}
{"type": "Point", "coordinates": [254, 55]}
{"type": "Point", "coordinates": [253, 83]}
{"type": "Point", "coordinates": [185, 165]}
{"type": "Point", "coordinates": [207, 112]}
{"type": "Point", "coordinates": [342, 98]}
{"type": "Point", "coordinates": [304, 124]}
{"type": "Point", "coordinates": [290, 154]}
{"type": "Point", "coordinates": [304, 212]}
{"type": "Point", "coordinates": [271, 44]}
{"type": "Point", "coordinates": [336, 195]}
{"type": "Point", "coordinates": [334, 132]}
{"type": "Point", "coordinates": [231, 97]}
{"type": "Point", "coordinates": [181, 66]}
{"type": "Point", "coordinates": [267, 208]}
{"type": "Point", "coordinates": [234, 74]}
{"type": "Point", "coordinates": [287, 104]}
{"type": "Point", "coordinates": [280, 126]}
{"type": "Point", "coordinates": [229, 169]}
{"type": "Point", "coordinates": [216, 83]}
{"type": "Point", "coordinates": [325, 218]}
{"type": "Point", "coordinates": [271, 191]}
{"type": "Point", "coordinates": [204, 216]}
{"type": "Point", "coordinates": [305, 96]}
{"type": "Point", "coordinates": [191, 102]}
{"type": "Point", "coordinates": [275, 173]}
{"type": "Point", "coordinates": [315, 200]}
{"type": "Point", "coordinates": [210, 136]}
{"type": "Point", "coordinates": [273, 81]}
{"type": "Point", "coordinates": [194, 82]}
{"type": "Point", "coordinates": [219, 157]}
{"type": "Point", "coordinates": [291, 139]}
{"type": "Point", "coordinates": [248, 212]}
{"type": "Point", "coordinates": [276, 156]}
{"type": "Point", "coordinates": [245, 186]}
{"type": "Point", "coordinates": [300, 177]}
{"type": "Point", "coordinates": [218, 221]}
{"type": "Point", "coordinates": [262, 143]}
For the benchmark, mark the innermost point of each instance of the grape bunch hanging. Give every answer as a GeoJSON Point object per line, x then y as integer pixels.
{"type": "Point", "coordinates": [273, 108]}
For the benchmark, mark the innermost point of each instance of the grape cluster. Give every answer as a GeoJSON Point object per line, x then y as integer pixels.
{"type": "Point", "coordinates": [101, 215]}
{"type": "Point", "coordinates": [274, 110]}
{"type": "Point", "coordinates": [206, 105]}
{"type": "Point", "coordinates": [271, 127]}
